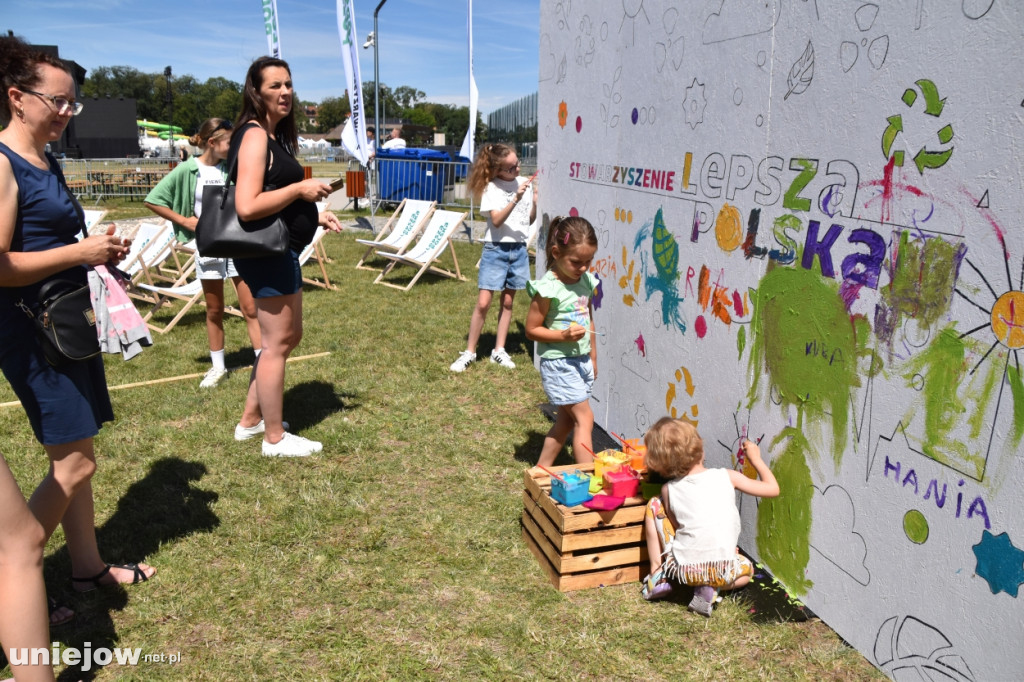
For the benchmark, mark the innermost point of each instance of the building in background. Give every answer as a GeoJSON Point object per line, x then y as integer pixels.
{"type": "Point", "coordinates": [516, 124]}
{"type": "Point", "coordinates": [105, 128]}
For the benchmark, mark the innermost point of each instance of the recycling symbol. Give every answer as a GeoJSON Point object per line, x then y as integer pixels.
{"type": "Point", "coordinates": [925, 157]}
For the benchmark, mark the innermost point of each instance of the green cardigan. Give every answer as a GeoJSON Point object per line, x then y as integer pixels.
{"type": "Point", "coordinates": [177, 191]}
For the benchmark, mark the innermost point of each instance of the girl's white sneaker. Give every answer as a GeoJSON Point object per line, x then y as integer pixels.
{"type": "Point", "coordinates": [291, 446]}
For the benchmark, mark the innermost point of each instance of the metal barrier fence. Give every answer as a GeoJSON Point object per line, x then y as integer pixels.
{"type": "Point", "coordinates": [387, 182]}
{"type": "Point", "coordinates": [98, 178]}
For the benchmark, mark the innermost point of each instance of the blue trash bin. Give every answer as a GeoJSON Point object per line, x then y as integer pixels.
{"type": "Point", "coordinates": [411, 173]}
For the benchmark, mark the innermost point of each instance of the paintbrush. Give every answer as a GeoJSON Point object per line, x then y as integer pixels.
{"type": "Point", "coordinates": [552, 473]}
{"type": "Point", "coordinates": [624, 442]}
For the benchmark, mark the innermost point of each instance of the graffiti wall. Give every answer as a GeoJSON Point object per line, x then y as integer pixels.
{"type": "Point", "coordinates": [810, 221]}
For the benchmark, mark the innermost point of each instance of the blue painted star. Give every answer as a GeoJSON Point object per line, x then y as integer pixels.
{"type": "Point", "coordinates": [1000, 563]}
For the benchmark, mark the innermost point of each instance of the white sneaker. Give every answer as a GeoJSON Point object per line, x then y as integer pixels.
{"type": "Point", "coordinates": [247, 432]}
{"type": "Point", "coordinates": [213, 377]}
{"type": "Point", "coordinates": [291, 446]}
{"type": "Point", "coordinates": [499, 356]}
{"type": "Point", "coordinates": [460, 365]}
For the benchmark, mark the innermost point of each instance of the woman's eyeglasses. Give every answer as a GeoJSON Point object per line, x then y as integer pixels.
{"type": "Point", "coordinates": [62, 104]}
{"type": "Point", "coordinates": [223, 125]}
{"type": "Point", "coordinates": [510, 169]}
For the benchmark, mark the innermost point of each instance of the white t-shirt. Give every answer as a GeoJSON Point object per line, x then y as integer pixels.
{"type": "Point", "coordinates": [704, 504]}
{"type": "Point", "coordinates": [394, 143]}
{"type": "Point", "coordinates": [208, 175]}
{"type": "Point", "coordinates": [497, 195]}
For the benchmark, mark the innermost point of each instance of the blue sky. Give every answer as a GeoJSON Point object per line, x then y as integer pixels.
{"type": "Point", "coordinates": [422, 42]}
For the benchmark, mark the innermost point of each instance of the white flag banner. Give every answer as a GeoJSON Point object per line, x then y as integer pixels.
{"type": "Point", "coordinates": [270, 23]}
{"type": "Point", "coordinates": [468, 144]}
{"type": "Point", "coordinates": [353, 135]}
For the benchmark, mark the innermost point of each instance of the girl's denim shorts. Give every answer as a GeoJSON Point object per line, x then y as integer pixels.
{"type": "Point", "coordinates": [567, 381]}
{"type": "Point", "coordinates": [504, 265]}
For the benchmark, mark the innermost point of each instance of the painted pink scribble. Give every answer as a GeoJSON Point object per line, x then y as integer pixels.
{"type": "Point", "coordinates": [639, 341]}
{"type": "Point", "coordinates": [849, 291]}
{"type": "Point", "coordinates": [701, 326]}
{"type": "Point", "coordinates": [737, 303]}
{"type": "Point", "coordinates": [890, 190]}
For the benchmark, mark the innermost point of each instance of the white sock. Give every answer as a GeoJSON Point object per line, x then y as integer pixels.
{"type": "Point", "coordinates": [217, 356]}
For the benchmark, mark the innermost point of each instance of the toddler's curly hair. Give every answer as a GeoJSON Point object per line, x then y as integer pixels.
{"type": "Point", "coordinates": [673, 447]}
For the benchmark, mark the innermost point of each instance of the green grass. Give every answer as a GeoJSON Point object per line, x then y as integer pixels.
{"type": "Point", "coordinates": [394, 554]}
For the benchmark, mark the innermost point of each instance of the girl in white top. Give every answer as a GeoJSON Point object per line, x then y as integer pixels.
{"type": "Point", "coordinates": [509, 201]}
{"type": "Point", "coordinates": [179, 198]}
{"type": "Point", "coordinates": [695, 524]}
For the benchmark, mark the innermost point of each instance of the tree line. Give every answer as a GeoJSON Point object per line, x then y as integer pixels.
{"type": "Point", "coordinates": [190, 102]}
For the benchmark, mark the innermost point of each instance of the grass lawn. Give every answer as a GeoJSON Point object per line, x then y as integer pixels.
{"type": "Point", "coordinates": [394, 554]}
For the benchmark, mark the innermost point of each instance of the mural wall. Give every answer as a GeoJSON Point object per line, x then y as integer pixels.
{"type": "Point", "coordinates": [810, 219]}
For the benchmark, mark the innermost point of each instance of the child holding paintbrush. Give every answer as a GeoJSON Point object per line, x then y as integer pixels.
{"type": "Point", "coordinates": [510, 203]}
{"type": "Point", "coordinates": [694, 526]}
{"type": "Point", "coordinates": [560, 321]}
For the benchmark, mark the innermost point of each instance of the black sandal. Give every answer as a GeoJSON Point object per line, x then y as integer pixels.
{"type": "Point", "coordinates": [52, 606]}
{"type": "Point", "coordinates": [137, 577]}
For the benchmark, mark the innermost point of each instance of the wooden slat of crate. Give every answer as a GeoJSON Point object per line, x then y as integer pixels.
{"type": "Point", "coordinates": [582, 581]}
{"type": "Point", "coordinates": [598, 535]}
{"type": "Point", "coordinates": [580, 548]}
{"type": "Point", "coordinates": [592, 557]}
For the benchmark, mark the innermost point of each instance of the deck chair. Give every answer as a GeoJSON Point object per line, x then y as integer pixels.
{"type": "Point", "coordinates": [92, 217]}
{"type": "Point", "coordinates": [152, 244]}
{"type": "Point", "coordinates": [191, 292]}
{"type": "Point", "coordinates": [315, 250]}
{"type": "Point", "coordinates": [436, 237]}
{"type": "Point", "coordinates": [398, 233]}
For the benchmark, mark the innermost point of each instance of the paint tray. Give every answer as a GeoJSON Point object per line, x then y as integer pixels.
{"type": "Point", "coordinates": [572, 490]}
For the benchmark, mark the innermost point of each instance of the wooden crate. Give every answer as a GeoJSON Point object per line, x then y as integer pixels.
{"type": "Point", "coordinates": [577, 547]}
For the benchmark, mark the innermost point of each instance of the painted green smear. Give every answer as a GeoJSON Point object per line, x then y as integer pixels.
{"type": "Point", "coordinates": [1013, 375]}
{"type": "Point", "coordinates": [804, 338]}
{"type": "Point", "coordinates": [943, 368]}
{"type": "Point", "coordinates": [784, 522]}
{"type": "Point", "coordinates": [993, 373]}
{"type": "Point", "coordinates": [923, 280]}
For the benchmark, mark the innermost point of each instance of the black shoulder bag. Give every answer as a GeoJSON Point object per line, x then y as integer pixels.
{"type": "Point", "coordinates": [220, 233]}
{"type": "Point", "coordinates": [63, 317]}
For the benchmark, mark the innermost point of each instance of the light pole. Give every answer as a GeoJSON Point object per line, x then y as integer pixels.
{"type": "Point", "coordinates": [376, 73]}
{"type": "Point", "coordinates": [170, 111]}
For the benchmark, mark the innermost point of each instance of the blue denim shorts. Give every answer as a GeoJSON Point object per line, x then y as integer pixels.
{"type": "Point", "coordinates": [215, 268]}
{"type": "Point", "coordinates": [567, 381]}
{"type": "Point", "coordinates": [271, 276]}
{"type": "Point", "coordinates": [504, 265]}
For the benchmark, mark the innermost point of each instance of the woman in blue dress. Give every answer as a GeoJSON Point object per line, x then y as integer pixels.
{"type": "Point", "coordinates": [39, 226]}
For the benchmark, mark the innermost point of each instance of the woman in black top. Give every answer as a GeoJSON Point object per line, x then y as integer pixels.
{"type": "Point", "coordinates": [266, 186]}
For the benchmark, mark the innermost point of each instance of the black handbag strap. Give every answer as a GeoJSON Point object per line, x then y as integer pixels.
{"type": "Point", "coordinates": [233, 157]}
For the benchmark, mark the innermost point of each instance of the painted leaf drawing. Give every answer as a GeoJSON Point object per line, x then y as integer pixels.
{"type": "Point", "coordinates": [801, 73]}
{"type": "Point", "coordinates": [666, 251]}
